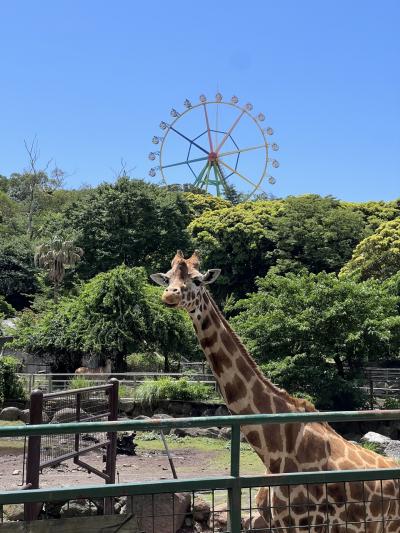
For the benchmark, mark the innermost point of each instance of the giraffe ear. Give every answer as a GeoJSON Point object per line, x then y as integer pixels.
{"type": "Point", "coordinates": [211, 275]}
{"type": "Point", "coordinates": [160, 279]}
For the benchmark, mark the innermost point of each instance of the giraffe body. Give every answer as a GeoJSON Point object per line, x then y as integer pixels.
{"type": "Point", "coordinates": [369, 507]}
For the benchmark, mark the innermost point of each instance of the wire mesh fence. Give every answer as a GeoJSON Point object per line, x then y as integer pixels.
{"type": "Point", "coordinates": [337, 501]}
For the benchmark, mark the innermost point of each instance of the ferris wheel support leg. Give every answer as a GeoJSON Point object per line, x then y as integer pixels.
{"type": "Point", "coordinates": [199, 180]}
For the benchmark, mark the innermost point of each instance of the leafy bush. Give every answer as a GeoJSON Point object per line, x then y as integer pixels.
{"type": "Point", "coordinates": [151, 391]}
{"type": "Point", "coordinates": [391, 403]}
{"type": "Point", "coordinates": [145, 362]}
{"type": "Point", "coordinates": [6, 309]}
{"type": "Point", "coordinates": [80, 382]}
{"type": "Point", "coordinates": [11, 387]}
{"type": "Point", "coordinates": [372, 447]}
{"type": "Point", "coordinates": [316, 381]}
{"type": "Point", "coordinates": [125, 392]}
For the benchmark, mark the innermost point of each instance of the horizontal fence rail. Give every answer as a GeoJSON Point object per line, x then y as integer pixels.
{"type": "Point", "coordinates": [233, 484]}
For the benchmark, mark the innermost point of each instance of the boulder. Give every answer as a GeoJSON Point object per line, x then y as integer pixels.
{"type": "Point", "coordinates": [169, 514]}
{"type": "Point", "coordinates": [24, 416]}
{"type": "Point", "coordinates": [380, 441]}
{"type": "Point", "coordinates": [222, 410]}
{"type": "Point", "coordinates": [13, 512]}
{"type": "Point", "coordinates": [163, 416]}
{"type": "Point", "coordinates": [196, 432]}
{"type": "Point", "coordinates": [393, 449]}
{"type": "Point", "coordinates": [201, 510]}
{"type": "Point", "coordinates": [11, 414]}
{"type": "Point", "coordinates": [68, 414]}
{"type": "Point", "coordinates": [219, 518]}
{"type": "Point", "coordinates": [225, 433]}
{"type": "Point", "coordinates": [79, 508]}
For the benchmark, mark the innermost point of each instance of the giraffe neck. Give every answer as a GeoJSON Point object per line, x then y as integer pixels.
{"type": "Point", "coordinates": [244, 387]}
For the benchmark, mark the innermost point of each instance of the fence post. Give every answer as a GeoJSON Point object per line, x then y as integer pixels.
{"type": "Point", "coordinates": [31, 510]}
{"type": "Point", "coordinates": [235, 493]}
{"type": "Point", "coordinates": [112, 446]}
{"type": "Point", "coordinates": [371, 393]}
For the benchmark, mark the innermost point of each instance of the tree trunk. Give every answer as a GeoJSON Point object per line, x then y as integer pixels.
{"type": "Point", "coordinates": [339, 365]}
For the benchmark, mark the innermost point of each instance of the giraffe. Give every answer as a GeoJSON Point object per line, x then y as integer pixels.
{"type": "Point", "coordinates": [369, 507]}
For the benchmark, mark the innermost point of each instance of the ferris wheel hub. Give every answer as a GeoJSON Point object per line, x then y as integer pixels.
{"type": "Point", "coordinates": [212, 156]}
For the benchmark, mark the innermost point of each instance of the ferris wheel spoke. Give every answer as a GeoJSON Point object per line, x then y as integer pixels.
{"type": "Point", "coordinates": [186, 162]}
{"type": "Point", "coordinates": [242, 150]}
{"type": "Point", "coordinates": [189, 140]}
{"type": "Point", "coordinates": [238, 174]}
{"type": "Point", "coordinates": [208, 128]}
{"type": "Point", "coordinates": [221, 144]}
{"type": "Point", "coordinates": [199, 178]}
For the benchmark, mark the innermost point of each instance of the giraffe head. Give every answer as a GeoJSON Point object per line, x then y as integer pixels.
{"type": "Point", "coordinates": [184, 282]}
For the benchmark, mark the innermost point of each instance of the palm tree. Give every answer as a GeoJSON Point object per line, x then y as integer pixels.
{"type": "Point", "coordinates": [55, 256]}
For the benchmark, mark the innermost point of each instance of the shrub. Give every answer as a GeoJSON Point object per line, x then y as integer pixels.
{"type": "Point", "coordinates": [11, 387]}
{"type": "Point", "coordinates": [80, 382]}
{"type": "Point", "coordinates": [145, 362]}
{"type": "Point", "coordinates": [151, 391]}
{"type": "Point", "coordinates": [391, 403]}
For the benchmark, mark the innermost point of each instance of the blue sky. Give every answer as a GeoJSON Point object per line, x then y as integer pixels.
{"type": "Point", "coordinates": [92, 80]}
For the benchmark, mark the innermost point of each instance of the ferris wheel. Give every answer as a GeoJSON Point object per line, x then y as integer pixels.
{"type": "Point", "coordinates": [215, 145]}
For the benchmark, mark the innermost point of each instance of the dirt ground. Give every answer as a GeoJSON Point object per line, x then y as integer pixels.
{"type": "Point", "coordinates": [192, 457]}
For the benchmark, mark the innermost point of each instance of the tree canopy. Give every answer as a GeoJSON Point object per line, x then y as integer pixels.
{"type": "Point", "coordinates": [377, 256]}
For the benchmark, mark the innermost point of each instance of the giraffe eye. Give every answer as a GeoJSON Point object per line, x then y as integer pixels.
{"type": "Point", "coordinates": [197, 282]}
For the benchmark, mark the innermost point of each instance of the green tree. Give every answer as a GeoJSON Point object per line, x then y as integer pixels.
{"type": "Point", "coordinates": [239, 240]}
{"type": "Point", "coordinates": [324, 321]}
{"type": "Point", "coordinates": [55, 256]}
{"type": "Point", "coordinates": [316, 234]}
{"type": "Point", "coordinates": [377, 256]}
{"type": "Point", "coordinates": [200, 203]}
{"type": "Point", "coordinates": [17, 272]}
{"type": "Point", "coordinates": [128, 222]}
{"type": "Point", "coordinates": [115, 313]}
{"type": "Point", "coordinates": [375, 213]}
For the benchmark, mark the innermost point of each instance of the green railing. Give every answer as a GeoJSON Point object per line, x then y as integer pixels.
{"type": "Point", "coordinates": [234, 483]}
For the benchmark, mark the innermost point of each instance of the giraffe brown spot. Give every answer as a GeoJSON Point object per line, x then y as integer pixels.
{"type": "Point", "coordinates": [214, 316]}
{"type": "Point", "coordinates": [218, 361]}
{"type": "Point", "coordinates": [253, 438]}
{"type": "Point", "coordinates": [206, 323]}
{"type": "Point", "coordinates": [356, 491]}
{"type": "Point", "coordinates": [375, 505]}
{"type": "Point", "coordinates": [316, 491]}
{"type": "Point", "coordinates": [290, 465]}
{"type": "Point", "coordinates": [245, 369]}
{"type": "Point", "coordinates": [311, 447]}
{"type": "Point", "coordinates": [275, 465]}
{"type": "Point", "coordinates": [208, 342]}
{"type": "Point", "coordinates": [336, 493]}
{"type": "Point", "coordinates": [299, 505]}
{"type": "Point", "coordinates": [235, 391]}
{"type": "Point", "coordinates": [227, 340]}
{"type": "Point", "coordinates": [260, 398]}
{"type": "Point", "coordinates": [273, 438]}
{"type": "Point", "coordinates": [355, 512]}
{"type": "Point", "coordinates": [291, 432]}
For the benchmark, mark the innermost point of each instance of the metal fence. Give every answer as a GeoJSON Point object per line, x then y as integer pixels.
{"type": "Point", "coordinates": [235, 485]}
{"type": "Point", "coordinates": [53, 382]}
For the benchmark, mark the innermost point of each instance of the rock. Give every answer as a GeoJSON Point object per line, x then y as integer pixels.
{"type": "Point", "coordinates": [164, 522]}
{"type": "Point", "coordinates": [201, 510]}
{"type": "Point", "coordinates": [13, 512]}
{"type": "Point", "coordinates": [53, 509]}
{"type": "Point", "coordinates": [161, 416]}
{"type": "Point", "coordinates": [66, 415]}
{"type": "Point", "coordinates": [125, 444]}
{"type": "Point", "coordinates": [142, 417]}
{"type": "Point", "coordinates": [225, 433]}
{"type": "Point", "coordinates": [393, 449]}
{"type": "Point", "coordinates": [376, 438]}
{"type": "Point", "coordinates": [256, 523]}
{"type": "Point", "coordinates": [219, 518]}
{"type": "Point", "coordinates": [222, 410]}
{"type": "Point", "coordinates": [11, 414]}
{"type": "Point", "coordinates": [24, 416]}
{"type": "Point", "coordinates": [213, 433]}
{"type": "Point", "coordinates": [79, 508]}
{"type": "Point", "coordinates": [16, 472]}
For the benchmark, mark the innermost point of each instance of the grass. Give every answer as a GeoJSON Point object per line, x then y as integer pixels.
{"type": "Point", "coordinates": [219, 451]}
{"type": "Point", "coordinates": [11, 445]}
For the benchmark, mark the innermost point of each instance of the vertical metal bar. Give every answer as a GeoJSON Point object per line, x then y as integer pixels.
{"type": "Point", "coordinates": [235, 493]}
{"type": "Point", "coordinates": [31, 510]}
{"type": "Point", "coordinates": [49, 383]}
{"type": "Point", "coordinates": [371, 394]}
{"type": "Point", "coordinates": [78, 418]}
{"type": "Point", "coordinates": [111, 457]}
